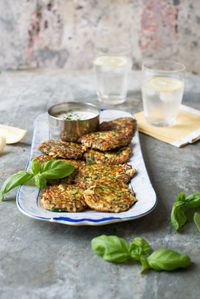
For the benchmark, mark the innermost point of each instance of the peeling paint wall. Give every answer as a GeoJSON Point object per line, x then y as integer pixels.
{"type": "Point", "coordinates": [69, 33]}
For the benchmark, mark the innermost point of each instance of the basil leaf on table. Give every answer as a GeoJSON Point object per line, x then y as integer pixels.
{"type": "Point", "coordinates": [193, 200]}
{"type": "Point", "coordinates": [167, 260]}
{"type": "Point", "coordinates": [197, 220]}
{"type": "Point", "coordinates": [56, 169]}
{"type": "Point", "coordinates": [178, 217]}
{"type": "Point", "coordinates": [13, 181]}
{"type": "Point", "coordinates": [183, 208]}
{"type": "Point", "coordinates": [111, 248]}
{"type": "Point", "coordinates": [139, 247]}
{"type": "Point", "coordinates": [181, 196]}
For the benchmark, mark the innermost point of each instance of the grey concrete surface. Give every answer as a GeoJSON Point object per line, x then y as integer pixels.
{"type": "Point", "coordinates": [46, 260]}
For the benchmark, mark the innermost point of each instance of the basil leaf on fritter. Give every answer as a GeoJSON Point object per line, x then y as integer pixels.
{"type": "Point", "coordinates": [56, 169]}
{"type": "Point", "coordinates": [34, 167]}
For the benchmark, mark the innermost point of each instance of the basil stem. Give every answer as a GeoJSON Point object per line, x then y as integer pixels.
{"type": "Point", "coordinates": [40, 181]}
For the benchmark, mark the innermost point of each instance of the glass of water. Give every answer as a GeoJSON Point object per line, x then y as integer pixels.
{"type": "Point", "coordinates": [162, 91]}
{"type": "Point", "coordinates": [111, 72]}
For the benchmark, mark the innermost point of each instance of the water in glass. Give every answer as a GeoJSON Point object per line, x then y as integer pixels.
{"type": "Point", "coordinates": [111, 78]}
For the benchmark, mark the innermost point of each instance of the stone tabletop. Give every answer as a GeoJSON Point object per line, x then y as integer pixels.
{"type": "Point", "coordinates": [47, 260]}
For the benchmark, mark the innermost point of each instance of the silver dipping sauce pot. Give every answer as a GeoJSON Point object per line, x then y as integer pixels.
{"type": "Point", "coordinates": [72, 130]}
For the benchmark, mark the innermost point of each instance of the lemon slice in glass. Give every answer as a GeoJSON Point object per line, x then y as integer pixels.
{"type": "Point", "coordinates": [111, 61]}
{"type": "Point", "coordinates": [165, 84]}
{"type": "Point", "coordinates": [12, 134]}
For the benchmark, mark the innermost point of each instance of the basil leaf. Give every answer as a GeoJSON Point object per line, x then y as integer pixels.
{"type": "Point", "coordinates": [56, 169]}
{"type": "Point", "coordinates": [178, 217]}
{"type": "Point", "coordinates": [197, 220]}
{"type": "Point", "coordinates": [168, 260]}
{"type": "Point", "coordinates": [139, 247]}
{"type": "Point", "coordinates": [181, 196]}
{"type": "Point", "coordinates": [193, 200]}
{"type": "Point", "coordinates": [40, 181]}
{"type": "Point", "coordinates": [111, 248]}
{"type": "Point", "coordinates": [13, 181]}
{"type": "Point", "coordinates": [34, 167]}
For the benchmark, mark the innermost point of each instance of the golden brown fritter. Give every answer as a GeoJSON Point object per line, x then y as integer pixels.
{"type": "Point", "coordinates": [62, 149]}
{"type": "Point", "coordinates": [125, 124]}
{"type": "Point", "coordinates": [109, 196]}
{"type": "Point", "coordinates": [43, 158]}
{"type": "Point", "coordinates": [105, 141]}
{"type": "Point", "coordinates": [88, 174]}
{"type": "Point", "coordinates": [63, 198]}
{"type": "Point", "coordinates": [118, 156]}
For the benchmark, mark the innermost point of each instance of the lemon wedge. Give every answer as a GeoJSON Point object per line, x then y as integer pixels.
{"type": "Point", "coordinates": [165, 84]}
{"type": "Point", "coordinates": [111, 61]}
{"type": "Point", "coordinates": [2, 144]}
{"type": "Point", "coordinates": [12, 134]}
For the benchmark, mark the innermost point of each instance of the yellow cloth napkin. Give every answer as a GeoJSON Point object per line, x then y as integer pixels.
{"type": "Point", "coordinates": [186, 130]}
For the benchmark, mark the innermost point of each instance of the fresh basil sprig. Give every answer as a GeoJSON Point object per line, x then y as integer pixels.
{"type": "Point", "coordinates": [54, 169]}
{"type": "Point", "coordinates": [117, 250]}
{"type": "Point", "coordinates": [181, 206]}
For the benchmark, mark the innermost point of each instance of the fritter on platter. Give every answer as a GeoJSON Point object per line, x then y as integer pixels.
{"type": "Point", "coordinates": [125, 124]}
{"type": "Point", "coordinates": [105, 141]}
{"type": "Point", "coordinates": [89, 174]}
{"type": "Point", "coordinates": [66, 198]}
{"type": "Point", "coordinates": [62, 149]}
{"type": "Point", "coordinates": [109, 196]}
{"type": "Point", "coordinates": [118, 156]}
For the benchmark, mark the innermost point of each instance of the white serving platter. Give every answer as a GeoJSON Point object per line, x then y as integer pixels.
{"type": "Point", "coordinates": [28, 197]}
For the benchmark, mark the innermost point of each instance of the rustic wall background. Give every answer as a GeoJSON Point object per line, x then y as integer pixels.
{"type": "Point", "coordinates": [67, 33]}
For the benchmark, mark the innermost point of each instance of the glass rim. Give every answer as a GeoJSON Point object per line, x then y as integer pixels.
{"type": "Point", "coordinates": [150, 65]}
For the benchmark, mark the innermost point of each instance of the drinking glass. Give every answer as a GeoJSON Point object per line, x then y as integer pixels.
{"type": "Point", "coordinates": [111, 72]}
{"type": "Point", "coordinates": [162, 91]}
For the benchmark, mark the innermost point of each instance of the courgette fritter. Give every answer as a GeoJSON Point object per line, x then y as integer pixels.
{"type": "Point", "coordinates": [109, 196]}
{"type": "Point", "coordinates": [107, 140]}
{"type": "Point", "coordinates": [62, 149]}
{"type": "Point", "coordinates": [63, 198]}
{"type": "Point", "coordinates": [123, 124]}
{"type": "Point", "coordinates": [118, 156]}
{"type": "Point", "coordinates": [88, 174]}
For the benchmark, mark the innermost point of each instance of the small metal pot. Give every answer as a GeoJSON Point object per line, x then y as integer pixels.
{"type": "Point", "coordinates": [72, 130]}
